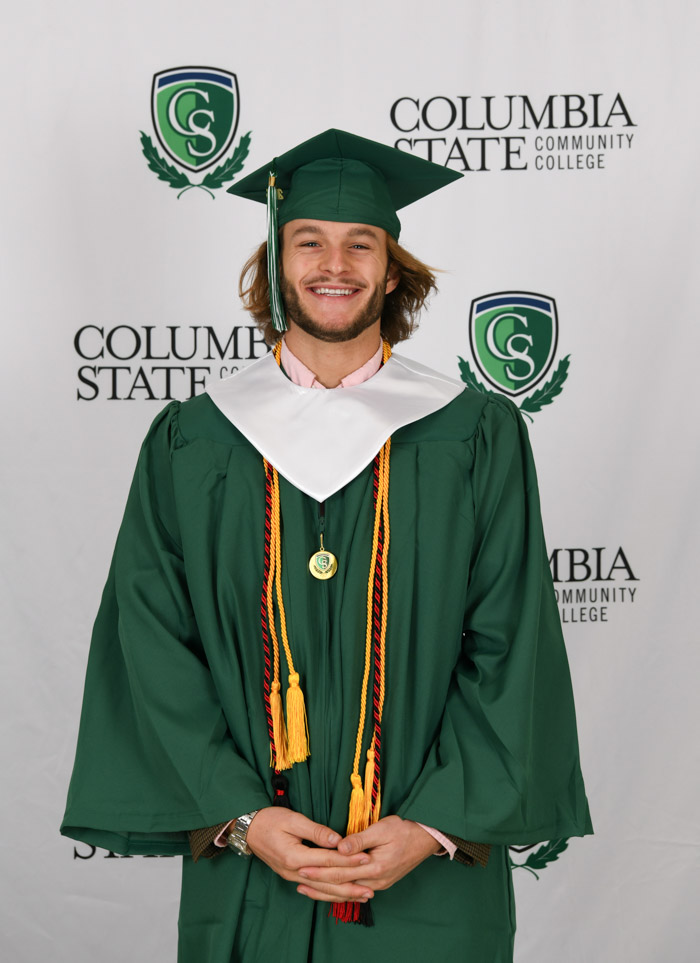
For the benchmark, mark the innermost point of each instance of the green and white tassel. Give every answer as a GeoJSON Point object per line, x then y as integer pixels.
{"type": "Point", "coordinates": [279, 322]}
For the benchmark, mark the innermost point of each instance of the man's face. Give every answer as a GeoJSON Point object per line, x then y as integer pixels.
{"type": "Point", "coordinates": [334, 277]}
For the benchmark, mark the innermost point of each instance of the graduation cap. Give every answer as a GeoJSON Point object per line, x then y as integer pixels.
{"type": "Point", "coordinates": [337, 176]}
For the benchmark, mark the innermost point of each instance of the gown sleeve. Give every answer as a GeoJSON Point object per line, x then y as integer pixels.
{"type": "Point", "coordinates": [504, 768]}
{"type": "Point", "coordinates": [155, 757]}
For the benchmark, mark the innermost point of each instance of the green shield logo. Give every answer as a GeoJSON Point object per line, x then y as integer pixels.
{"type": "Point", "coordinates": [513, 337]}
{"type": "Point", "coordinates": [195, 114]}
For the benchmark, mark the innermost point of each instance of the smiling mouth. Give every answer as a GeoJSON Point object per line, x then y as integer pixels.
{"type": "Point", "coordinates": [333, 292]}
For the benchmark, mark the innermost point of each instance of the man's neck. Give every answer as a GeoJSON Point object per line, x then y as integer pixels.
{"type": "Point", "coordinates": [331, 361]}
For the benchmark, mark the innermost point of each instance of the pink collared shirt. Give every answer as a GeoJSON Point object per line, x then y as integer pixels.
{"type": "Point", "coordinates": [297, 372]}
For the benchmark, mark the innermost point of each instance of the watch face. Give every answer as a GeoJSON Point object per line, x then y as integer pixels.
{"type": "Point", "coordinates": [238, 844]}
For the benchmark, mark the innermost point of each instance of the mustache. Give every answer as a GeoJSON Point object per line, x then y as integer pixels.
{"type": "Point", "coordinates": [322, 279]}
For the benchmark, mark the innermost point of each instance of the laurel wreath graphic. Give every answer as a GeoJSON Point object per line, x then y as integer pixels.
{"type": "Point", "coordinates": [546, 854]}
{"type": "Point", "coordinates": [180, 181]}
{"type": "Point", "coordinates": [537, 400]}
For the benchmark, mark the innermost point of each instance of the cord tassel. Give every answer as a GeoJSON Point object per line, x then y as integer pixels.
{"type": "Point", "coordinates": [278, 728]}
{"type": "Point", "coordinates": [356, 814]}
{"type": "Point", "coordinates": [378, 804]}
{"type": "Point", "coordinates": [369, 780]}
{"type": "Point", "coordinates": [345, 912]}
{"type": "Point", "coordinates": [364, 916]}
{"type": "Point", "coordinates": [280, 787]}
{"type": "Point", "coordinates": [297, 723]}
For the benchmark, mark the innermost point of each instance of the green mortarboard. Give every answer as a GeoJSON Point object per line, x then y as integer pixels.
{"type": "Point", "coordinates": [337, 176]}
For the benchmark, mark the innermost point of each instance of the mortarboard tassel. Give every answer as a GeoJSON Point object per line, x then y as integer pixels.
{"type": "Point", "coordinates": [279, 321]}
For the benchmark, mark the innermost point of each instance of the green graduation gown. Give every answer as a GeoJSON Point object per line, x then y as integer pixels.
{"type": "Point", "coordinates": [479, 734]}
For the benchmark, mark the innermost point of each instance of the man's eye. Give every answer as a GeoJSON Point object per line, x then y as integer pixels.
{"type": "Point", "coordinates": [361, 247]}
{"type": "Point", "coordinates": [309, 243]}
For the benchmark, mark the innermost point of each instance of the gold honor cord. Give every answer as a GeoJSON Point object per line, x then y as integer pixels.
{"type": "Point", "coordinates": [357, 816]}
{"type": "Point", "coordinates": [372, 788]}
{"type": "Point", "coordinates": [290, 741]}
{"type": "Point", "coordinates": [279, 750]}
{"type": "Point", "coordinates": [365, 802]}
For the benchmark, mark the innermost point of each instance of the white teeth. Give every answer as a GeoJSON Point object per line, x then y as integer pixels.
{"type": "Point", "coordinates": [333, 292]}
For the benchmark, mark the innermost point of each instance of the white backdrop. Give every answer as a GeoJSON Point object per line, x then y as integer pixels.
{"type": "Point", "coordinates": [90, 236]}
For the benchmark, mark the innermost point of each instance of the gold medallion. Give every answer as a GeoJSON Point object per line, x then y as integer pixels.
{"type": "Point", "coordinates": [323, 564]}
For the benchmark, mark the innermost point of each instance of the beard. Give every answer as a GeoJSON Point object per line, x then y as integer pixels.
{"type": "Point", "coordinates": [364, 319]}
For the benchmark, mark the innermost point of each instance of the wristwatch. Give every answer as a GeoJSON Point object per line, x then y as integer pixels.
{"type": "Point", "coordinates": [237, 838]}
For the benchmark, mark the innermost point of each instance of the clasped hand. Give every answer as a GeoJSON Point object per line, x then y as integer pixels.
{"type": "Point", "coordinates": [338, 870]}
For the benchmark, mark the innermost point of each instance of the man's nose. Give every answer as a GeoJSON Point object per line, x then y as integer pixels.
{"type": "Point", "coordinates": [335, 260]}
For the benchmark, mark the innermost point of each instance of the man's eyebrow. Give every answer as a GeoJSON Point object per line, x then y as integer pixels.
{"type": "Point", "coordinates": [353, 232]}
{"type": "Point", "coordinates": [362, 232]}
{"type": "Point", "coordinates": [307, 229]}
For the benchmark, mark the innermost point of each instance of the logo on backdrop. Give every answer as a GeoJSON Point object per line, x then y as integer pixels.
{"type": "Point", "coordinates": [515, 132]}
{"type": "Point", "coordinates": [548, 853]}
{"type": "Point", "coordinates": [159, 363]}
{"type": "Point", "coordinates": [195, 114]}
{"type": "Point", "coordinates": [589, 582]}
{"type": "Point", "coordinates": [513, 337]}
{"type": "Point", "coordinates": [91, 851]}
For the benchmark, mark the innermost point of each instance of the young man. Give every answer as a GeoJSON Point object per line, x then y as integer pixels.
{"type": "Point", "coordinates": [329, 635]}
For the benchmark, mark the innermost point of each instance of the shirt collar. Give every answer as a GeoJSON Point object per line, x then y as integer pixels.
{"type": "Point", "coordinates": [297, 371]}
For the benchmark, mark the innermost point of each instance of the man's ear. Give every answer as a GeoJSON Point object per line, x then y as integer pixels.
{"type": "Point", "coordinates": [393, 276]}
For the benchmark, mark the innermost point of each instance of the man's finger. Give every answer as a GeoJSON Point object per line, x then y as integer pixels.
{"type": "Point", "coordinates": [336, 894]}
{"type": "Point", "coordinates": [352, 844]}
{"type": "Point", "coordinates": [331, 857]}
{"type": "Point", "coordinates": [328, 858]}
{"type": "Point", "coordinates": [335, 875]}
{"type": "Point", "coordinates": [372, 836]}
{"type": "Point", "coordinates": [314, 832]}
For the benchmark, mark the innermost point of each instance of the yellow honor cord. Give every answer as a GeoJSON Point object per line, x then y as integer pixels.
{"type": "Point", "coordinates": [279, 729]}
{"type": "Point", "coordinates": [297, 747]}
{"type": "Point", "coordinates": [292, 740]}
{"type": "Point", "coordinates": [385, 575]}
{"type": "Point", "coordinates": [360, 814]}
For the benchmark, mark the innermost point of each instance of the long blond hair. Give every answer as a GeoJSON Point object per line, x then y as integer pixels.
{"type": "Point", "coordinates": [401, 307]}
